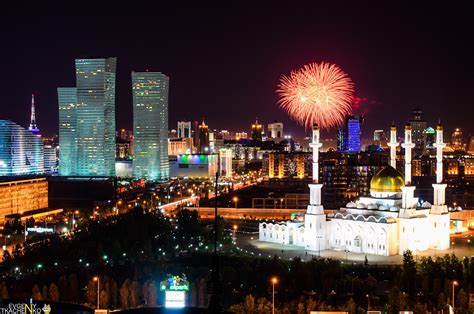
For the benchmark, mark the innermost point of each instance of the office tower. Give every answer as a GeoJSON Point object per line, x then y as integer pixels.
{"type": "Point", "coordinates": [21, 152]}
{"type": "Point", "coordinates": [257, 129]}
{"type": "Point", "coordinates": [184, 129]}
{"type": "Point", "coordinates": [275, 130]}
{"type": "Point", "coordinates": [225, 160]}
{"type": "Point", "coordinates": [457, 139]}
{"type": "Point", "coordinates": [352, 133]}
{"type": "Point", "coordinates": [67, 100]}
{"type": "Point", "coordinates": [418, 126]}
{"type": "Point", "coordinates": [203, 138]}
{"type": "Point", "coordinates": [379, 135]}
{"type": "Point", "coordinates": [95, 82]}
{"type": "Point", "coordinates": [33, 127]}
{"type": "Point", "coordinates": [150, 125]}
{"type": "Point", "coordinates": [196, 133]}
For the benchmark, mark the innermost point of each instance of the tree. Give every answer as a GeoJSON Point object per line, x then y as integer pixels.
{"type": "Point", "coordinates": [104, 299]}
{"type": "Point", "coordinates": [73, 290]}
{"type": "Point", "coordinates": [63, 287]}
{"type": "Point", "coordinates": [408, 273]}
{"type": "Point", "coordinates": [91, 293]}
{"type": "Point", "coordinates": [125, 295]}
{"type": "Point", "coordinates": [114, 295]}
{"type": "Point", "coordinates": [134, 294]}
{"type": "Point", "coordinates": [35, 293]}
{"type": "Point", "coordinates": [44, 292]}
{"type": "Point", "coordinates": [53, 292]}
{"type": "Point", "coordinates": [4, 290]}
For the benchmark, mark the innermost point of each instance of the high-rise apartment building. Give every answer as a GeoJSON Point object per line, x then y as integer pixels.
{"type": "Point", "coordinates": [67, 100]}
{"type": "Point", "coordinates": [418, 126]}
{"type": "Point", "coordinates": [21, 152]}
{"type": "Point", "coordinates": [150, 125]}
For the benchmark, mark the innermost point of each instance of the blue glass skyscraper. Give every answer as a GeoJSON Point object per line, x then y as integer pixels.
{"type": "Point", "coordinates": [150, 125]}
{"type": "Point", "coordinates": [21, 152]}
{"type": "Point", "coordinates": [67, 99]}
{"type": "Point", "coordinates": [349, 137]}
{"type": "Point", "coordinates": [88, 128]}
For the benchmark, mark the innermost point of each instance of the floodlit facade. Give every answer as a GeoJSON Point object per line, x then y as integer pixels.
{"type": "Point", "coordinates": [21, 152]}
{"type": "Point", "coordinates": [95, 82]}
{"type": "Point", "coordinates": [21, 196]}
{"type": "Point", "coordinates": [150, 125]}
{"type": "Point", "coordinates": [87, 120]}
{"type": "Point", "coordinates": [67, 100]}
{"type": "Point", "coordinates": [388, 221]}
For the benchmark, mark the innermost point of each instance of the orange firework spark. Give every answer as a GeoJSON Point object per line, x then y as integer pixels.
{"type": "Point", "coordinates": [317, 93]}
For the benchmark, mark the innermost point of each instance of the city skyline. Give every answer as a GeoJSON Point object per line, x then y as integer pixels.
{"type": "Point", "coordinates": [394, 76]}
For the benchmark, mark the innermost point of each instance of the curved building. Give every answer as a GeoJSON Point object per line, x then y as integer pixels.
{"type": "Point", "coordinates": [21, 152]}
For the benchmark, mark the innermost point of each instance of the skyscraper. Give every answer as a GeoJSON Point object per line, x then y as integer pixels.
{"type": "Point", "coordinates": [33, 127]}
{"type": "Point", "coordinates": [418, 126]}
{"type": "Point", "coordinates": [95, 81]}
{"type": "Point", "coordinates": [457, 140]}
{"type": "Point", "coordinates": [150, 125]}
{"type": "Point", "coordinates": [21, 152]}
{"type": "Point", "coordinates": [67, 99]}
{"type": "Point", "coordinates": [257, 131]}
{"type": "Point", "coordinates": [203, 138]}
{"type": "Point", "coordinates": [352, 133]}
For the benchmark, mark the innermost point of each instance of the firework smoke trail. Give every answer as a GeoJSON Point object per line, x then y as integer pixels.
{"type": "Point", "coordinates": [317, 93]}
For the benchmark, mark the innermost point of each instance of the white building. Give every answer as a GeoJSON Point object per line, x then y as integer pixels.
{"type": "Point", "coordinates": [275, 130]}
{"type": "Point", "coordinates": [389, 221]}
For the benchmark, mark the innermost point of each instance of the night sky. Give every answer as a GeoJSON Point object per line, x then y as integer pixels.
{"type": "Point", "coordinates": [224, 63]}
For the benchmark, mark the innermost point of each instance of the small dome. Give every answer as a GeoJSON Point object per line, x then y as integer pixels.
{"type": "Point", "coordinates": [351, 205]}
{"type": "Point", "coordinates": [394, 209]}
{"type": "Point", "coordinates": [426, 204]}
{"type": "Point", "coordinates": [383, 207]}
{"type": "Point", "coordinates": [360, 205]}
{"type": "Point", "coordinates": [372, 206]}
{"type": "Point", "coordinates": [388, 179]}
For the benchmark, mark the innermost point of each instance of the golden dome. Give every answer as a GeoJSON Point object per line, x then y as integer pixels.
{"type": "Point", "coordinates": [388, 179]}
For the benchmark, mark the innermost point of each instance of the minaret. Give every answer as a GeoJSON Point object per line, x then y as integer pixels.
{"type": "Point", "coordinates": [315, 188]}
{"type": "Point", "coordinates": [393, 146]}
{"type": "Point", "coordinates": [439, 215]}
{"type": "Point", "coordinates": [315, 219]}
{"type": "Point", "coordinates": [439, 187]}
{"type": "Point", "coordinates": [33, 128]}
{"type": "Point", "coordinates": [408, 201]}
{"type": "Point", "coordinates": [408, 146]}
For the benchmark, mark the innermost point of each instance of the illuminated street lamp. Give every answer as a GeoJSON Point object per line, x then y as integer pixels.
{"type": "Point", "coordinates": [96, 278]}
{"type": "Point", "coordinates": [274, 281]}
{"type": "Point", "coordinates": [235, 230]}
{"type": "Point", "coordinates": [368, 302]}
{"type": "Point", "coordinates": [455, 283]}
{"type": "Point", "coordinates": [235, 199]}
{"type": "Point", "coordinates": [281, 203]}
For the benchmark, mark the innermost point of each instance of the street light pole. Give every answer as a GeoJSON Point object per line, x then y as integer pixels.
{"type": "Point", "coordinates": [368, 302]}
{"type": "Point", "coordinates": [96, 278]}
{"type": "Point", "coordinates": [455, 283]}
{"type": "Point", "coordinates": [274, 281]}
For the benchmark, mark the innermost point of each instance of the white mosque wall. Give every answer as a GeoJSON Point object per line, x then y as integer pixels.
{"type": "Point", "coordinates": [362, 236]}
{"type": "Point", "coordinates": [439, 235]}
{"type": "Point", "coordinates": [414, 234]}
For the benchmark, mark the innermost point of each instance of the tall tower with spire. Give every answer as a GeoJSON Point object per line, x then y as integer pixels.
{"type": "Point", "coordinates": [33, 127]}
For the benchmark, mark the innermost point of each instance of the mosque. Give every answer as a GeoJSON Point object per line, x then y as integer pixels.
{"type": "Point", "coordinates": [389, 221]}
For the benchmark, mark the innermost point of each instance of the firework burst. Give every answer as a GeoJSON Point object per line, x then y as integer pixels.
{"type": "Point", "coordinates": [317, 93]}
